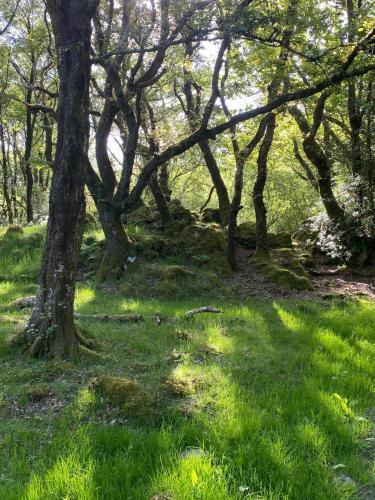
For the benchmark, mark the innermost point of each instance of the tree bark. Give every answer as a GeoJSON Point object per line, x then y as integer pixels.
{"type": "Point", "coordinates": [117, 242]}
{"type": "Point", "coordinates": [160, 200]}
{"type": "Point", "coordinates": [4, 164]}
{"type": "Point", "coordinates": [51, 332]}
{"type": "Point", "coordinates": [260, 183]}
{"type": "Point", "coordinates": [217, 180]}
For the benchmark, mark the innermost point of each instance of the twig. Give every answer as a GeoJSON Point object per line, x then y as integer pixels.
{"type": "Point", "coordinates": [207, 309]}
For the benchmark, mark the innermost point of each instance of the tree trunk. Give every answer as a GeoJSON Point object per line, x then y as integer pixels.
{"type": "Point", "coordinates": [118, 245]}
{"type": "Point", "coordinates": [160, 200]}
{"type": "Point", "coordinates": [51, 332]}
{"type": "Point", "coordinates": [217, 180]}
{"type": "Point", "coordinates": [315, 154]}
{"type": "Point", "coordinates": [7, 197]}
{"type": "Point", "coordinates": [258, 192]}
{"type": "Point", "coordinates": [164, 182]}
{"type": "Point", "coordinates": [30, 122]}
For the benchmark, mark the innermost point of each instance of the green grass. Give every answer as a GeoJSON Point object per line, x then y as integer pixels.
{"type": "Point", "coordinates": [277, 401]}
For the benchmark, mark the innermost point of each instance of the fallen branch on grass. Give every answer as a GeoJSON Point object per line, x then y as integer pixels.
{"type": "Point", "coordinates": [207, 309]}
{"type": "Point", "coordinates": [124, 318]}
{"type": "Point", "coordinates": [29, 302]}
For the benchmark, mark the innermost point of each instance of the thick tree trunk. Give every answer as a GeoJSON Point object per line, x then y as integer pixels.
{"type": "Point", "coordinates": [258, 192]}
{"type": "Point", "coordinates": [51, 332]}
{"type": "Point", "coordinates": [118, 245]}
{"type": "Point", "coordinates": [315, 154]}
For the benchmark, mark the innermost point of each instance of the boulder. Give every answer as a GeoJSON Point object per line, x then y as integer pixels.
{"type": "Point", "coordinates": [211, 215]}
{"type": "Point", "coordinates": [247, 237]}
{"type": "Point", "coordinates": [284, 269]}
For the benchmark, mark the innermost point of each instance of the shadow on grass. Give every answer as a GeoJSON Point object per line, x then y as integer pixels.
{"type": "Point", "coordinates": [278, 395]}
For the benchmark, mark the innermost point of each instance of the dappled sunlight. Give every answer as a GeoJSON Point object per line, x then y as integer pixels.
{"type": "Point", "coordinates": [336, 346]}
{"type": "Point", "coordinates": [84, 296]}
{"type": "Point", "coordinates": [289, 320]}
{"type": "Point", "coordinates": [197, 475]}
{"type": "Point", "coordinates": [68, 478]}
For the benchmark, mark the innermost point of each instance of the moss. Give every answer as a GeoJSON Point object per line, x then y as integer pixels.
{"type": "Point", "coordinates": [177, 387]}
{"type": "Point", "coordinates": [203, 239]}
{"type": "Point", "coordinates": [246, 236]}
{"type": "Point", "coordinates": [124, 393]}
{"type": "Point", "coordinates": [180, 213]}
{"type": "Point", "coordinates": [128, 290]}
{"type": "Point", "coordinates": [167, 288]}
{"type": "Point", "coordinates": [279, 240]}
{"type": "Point", "coordinates": [154, 245]}
{"type": "Point", "coordinates": [219, 263]}
{"type": "Point", "coordinates": [38, 392]}
{"type": "Point", "coordinates": [211, 215]}
{"type": "Point", "coordinates": [168, 272]}
{"type": "Point", "coordinates": [13, 231]}
{"type": "Point", "coordinates": [283, 268]}
{"type": "Point", "coordinates": [34, 240]}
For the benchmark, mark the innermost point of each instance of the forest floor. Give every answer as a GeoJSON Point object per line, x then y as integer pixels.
{"type": "Point", "coordinates": [271, 399]}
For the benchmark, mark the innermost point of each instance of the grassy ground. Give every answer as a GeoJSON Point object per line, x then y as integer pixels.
{"type": "Point", "coordinates": [270, 400]}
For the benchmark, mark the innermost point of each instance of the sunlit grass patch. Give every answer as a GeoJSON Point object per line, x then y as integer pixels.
{"type": "Point", "coordinates": [266, 400]}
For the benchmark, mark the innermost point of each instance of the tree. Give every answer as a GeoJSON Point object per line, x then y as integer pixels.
{"type": "Point", "coordinates": [51, 331]}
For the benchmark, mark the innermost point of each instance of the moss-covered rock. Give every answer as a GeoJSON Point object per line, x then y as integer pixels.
{"type": "Point", "coordinates": [13, 232]}
{"type": "Point", "coordinates": [124, 393]}
{"type": "Point", "coordinates": [128, 290]}
{"type": "Point", "coordinates": [218, 262]}
{"type": "Point", "coordinates": [246, 237]}
{"type": "Point", "coordinates": [280, 240]}
{"type": "Point", "coordinates": [211, 215]}
{"type": "Point", "coordinates": [283, 268]}
{"type": "Point", "coordinates": [168, 272]}
{"type": "Point", "coordinates": [246, 234]}
{"type": "Point", "coordinates": [148, 215]}
{"type": "Point", "coordinates": [167, 288]}
{"type": "Point", "coordinates": [203, 239]}
{"type": "Point", "coordinates": [180, 213]}
{"type": "Point", "coordinates": [34, 240]}
{"type": "Point", "coordinates": [153, 245]}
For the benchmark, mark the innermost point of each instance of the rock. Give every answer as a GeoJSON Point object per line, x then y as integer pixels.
{"type": "Point", "coordinates": [24, 302]}
{"type": "Point", "coordinates": [154, 245]}
{"type": "Point", "coordinates": [246, 237]}
{"type": "Point", "coordinates": [203, 239]}
{"type": "Point", "coordinates": [283, 268]}
{"type": "Point", "coordinates": [34, 240]}
{"type": "Point", "coordinates": [180, 213]}
{"type": "Point", "coordinates": [167, 288]}
{"type": "Point", "coordinates": [211, 215]}
{"type": "Point", "coordinates": [128, 290]}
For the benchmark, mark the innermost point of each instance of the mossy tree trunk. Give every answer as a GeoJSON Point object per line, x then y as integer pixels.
{"type": "Point", "coordinates": [260, 183]}
{"type": "Point", "coordinates": [217, 180]}
{"type": "Point", "coordinates": [160, 200]}
{"type": "Point", "coordinates": [51, 332]}
{"type": "Point", "coordinates": [118, 245]}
